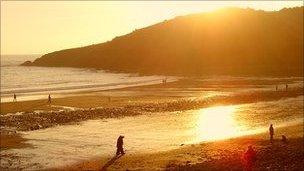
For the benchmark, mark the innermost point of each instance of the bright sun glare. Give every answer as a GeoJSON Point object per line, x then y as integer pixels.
{"type": "Point", "coordinates": [216, 123]}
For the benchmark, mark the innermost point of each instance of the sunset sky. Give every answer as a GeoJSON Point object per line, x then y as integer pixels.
{"type": "Point", "coordinates": [45, 26]}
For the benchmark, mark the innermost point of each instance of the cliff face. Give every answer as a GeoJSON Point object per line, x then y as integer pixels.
{"type": "Point", "coordinates": [229, 41]}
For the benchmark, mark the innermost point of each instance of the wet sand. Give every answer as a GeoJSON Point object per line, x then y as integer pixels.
{"type": "Point", "coordinates": [12, 139]}
{"type": "Point", "coordinates": [183, 89]}
{"type": "Point", "coordinates": [217, 155]}
{"type": "Point", "coordinates": [125, 102]}
{"type": "Point", "coordinates": [176, 96]}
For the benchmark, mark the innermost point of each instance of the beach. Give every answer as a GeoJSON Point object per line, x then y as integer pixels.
{"type": "Point", "coordinates": [31, 124]}
{"type": "Point", "coordinates": [218, 155]}
{"type": "Point", "coordinates": [152, 86]}
{"type": "Point", "coordinates": [175, 96]}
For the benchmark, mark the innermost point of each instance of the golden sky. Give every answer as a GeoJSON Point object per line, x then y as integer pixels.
{"type": "Point", "coordinates": [40, 27]}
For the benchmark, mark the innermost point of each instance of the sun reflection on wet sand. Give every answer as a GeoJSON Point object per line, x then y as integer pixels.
{"type": "Point", "coordinates": [67, 144]}
{"type": "Point", "coordinates": [217, 123]}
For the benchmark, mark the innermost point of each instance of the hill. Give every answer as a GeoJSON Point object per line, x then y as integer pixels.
{"type": "Point", "coordinates": [229, 41]}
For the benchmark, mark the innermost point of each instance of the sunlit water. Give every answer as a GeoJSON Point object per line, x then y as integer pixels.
{"type": "Point", "coordinates": [154, 132]}
{"type": "Point", "coordinates": [30, 82]}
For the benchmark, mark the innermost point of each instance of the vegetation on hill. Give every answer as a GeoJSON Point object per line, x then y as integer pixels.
{"type": "Point", "coordinates": [229, 41]}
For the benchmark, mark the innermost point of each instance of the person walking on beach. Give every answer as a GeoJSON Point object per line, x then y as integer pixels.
{"type": "Point", "coordinates": [49, 98]}
{"type": "Point", "coordinates": [271, 133]}
{"type": "Point", "coordinates": [119, 146]}
{"type": "Point", "coordinates": [277, 87]}
{"type": "Point", "coordinates": [249, 158]}
{"type": "Point", "coordinates": [15, 98]}
{"type": "Point", "coordinates": [286, 87]}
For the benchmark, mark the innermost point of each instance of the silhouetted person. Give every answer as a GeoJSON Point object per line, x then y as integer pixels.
{"type": "Point", "coordinates": [286, 86]}
{"type": "Point", "coordinates": [271, 133]}
{"type": "Point", "coordinates": [49, 99]}
{"type": "Point", "coordinates": [277, 87]}
{"type": "Point", "coordinates": [164, 80]}
{"type": "Point", "coordinates": [284, 139]}
{"type": "Point", "coordinates": [119, 145]}
{"type": "Point", "coordinates": [15, 98]}
{"type": "Point", "coordinates": [249, 158]}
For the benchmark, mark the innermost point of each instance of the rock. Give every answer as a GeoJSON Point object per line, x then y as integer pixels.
{"type": "Point", "coordinates": [26, 63]}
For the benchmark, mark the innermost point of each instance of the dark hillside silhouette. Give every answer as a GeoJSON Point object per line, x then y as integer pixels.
{"type": "Point", "coordinates": [229, 41]}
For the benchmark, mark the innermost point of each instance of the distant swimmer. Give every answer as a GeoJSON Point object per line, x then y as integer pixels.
{"type": "Point", "coordinates": [271, 133]}
{"type": "Point", "coordinates": [15, 98]}
{"type": "Point", "coordinates": [119, 146]}
{"type": "Point", "coordinates": [49, 98]}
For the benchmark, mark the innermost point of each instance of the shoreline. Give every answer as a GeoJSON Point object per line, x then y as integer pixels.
{"type": "Point", "coordinates": [72, 92]}
{"type": "Point", "coordinates": [71, 110]}
{"type": "Point", "coordinates": [204, 83]}
{"type": "Point", "coordinates": [38, 114]}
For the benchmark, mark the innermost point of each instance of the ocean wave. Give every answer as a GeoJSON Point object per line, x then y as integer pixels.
{"type": "Point", "coordinates": [8, 65]}
{"type": "Point", "coordinates": [79, 87]}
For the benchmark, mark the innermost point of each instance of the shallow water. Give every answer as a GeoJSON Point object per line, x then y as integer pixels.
{"type": "Point", "coordinates": [30, 82]}
{"type": "Point", "coordinates": [153, 132]}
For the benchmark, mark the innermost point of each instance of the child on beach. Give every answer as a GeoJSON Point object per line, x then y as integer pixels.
{"type": "Point", "coordinates": [284, 139]}
{"type": "Point", "coordinates": [249, 158]}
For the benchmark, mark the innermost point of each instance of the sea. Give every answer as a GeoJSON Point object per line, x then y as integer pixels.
{"type": "Point", "coordinates": [33, 82]}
